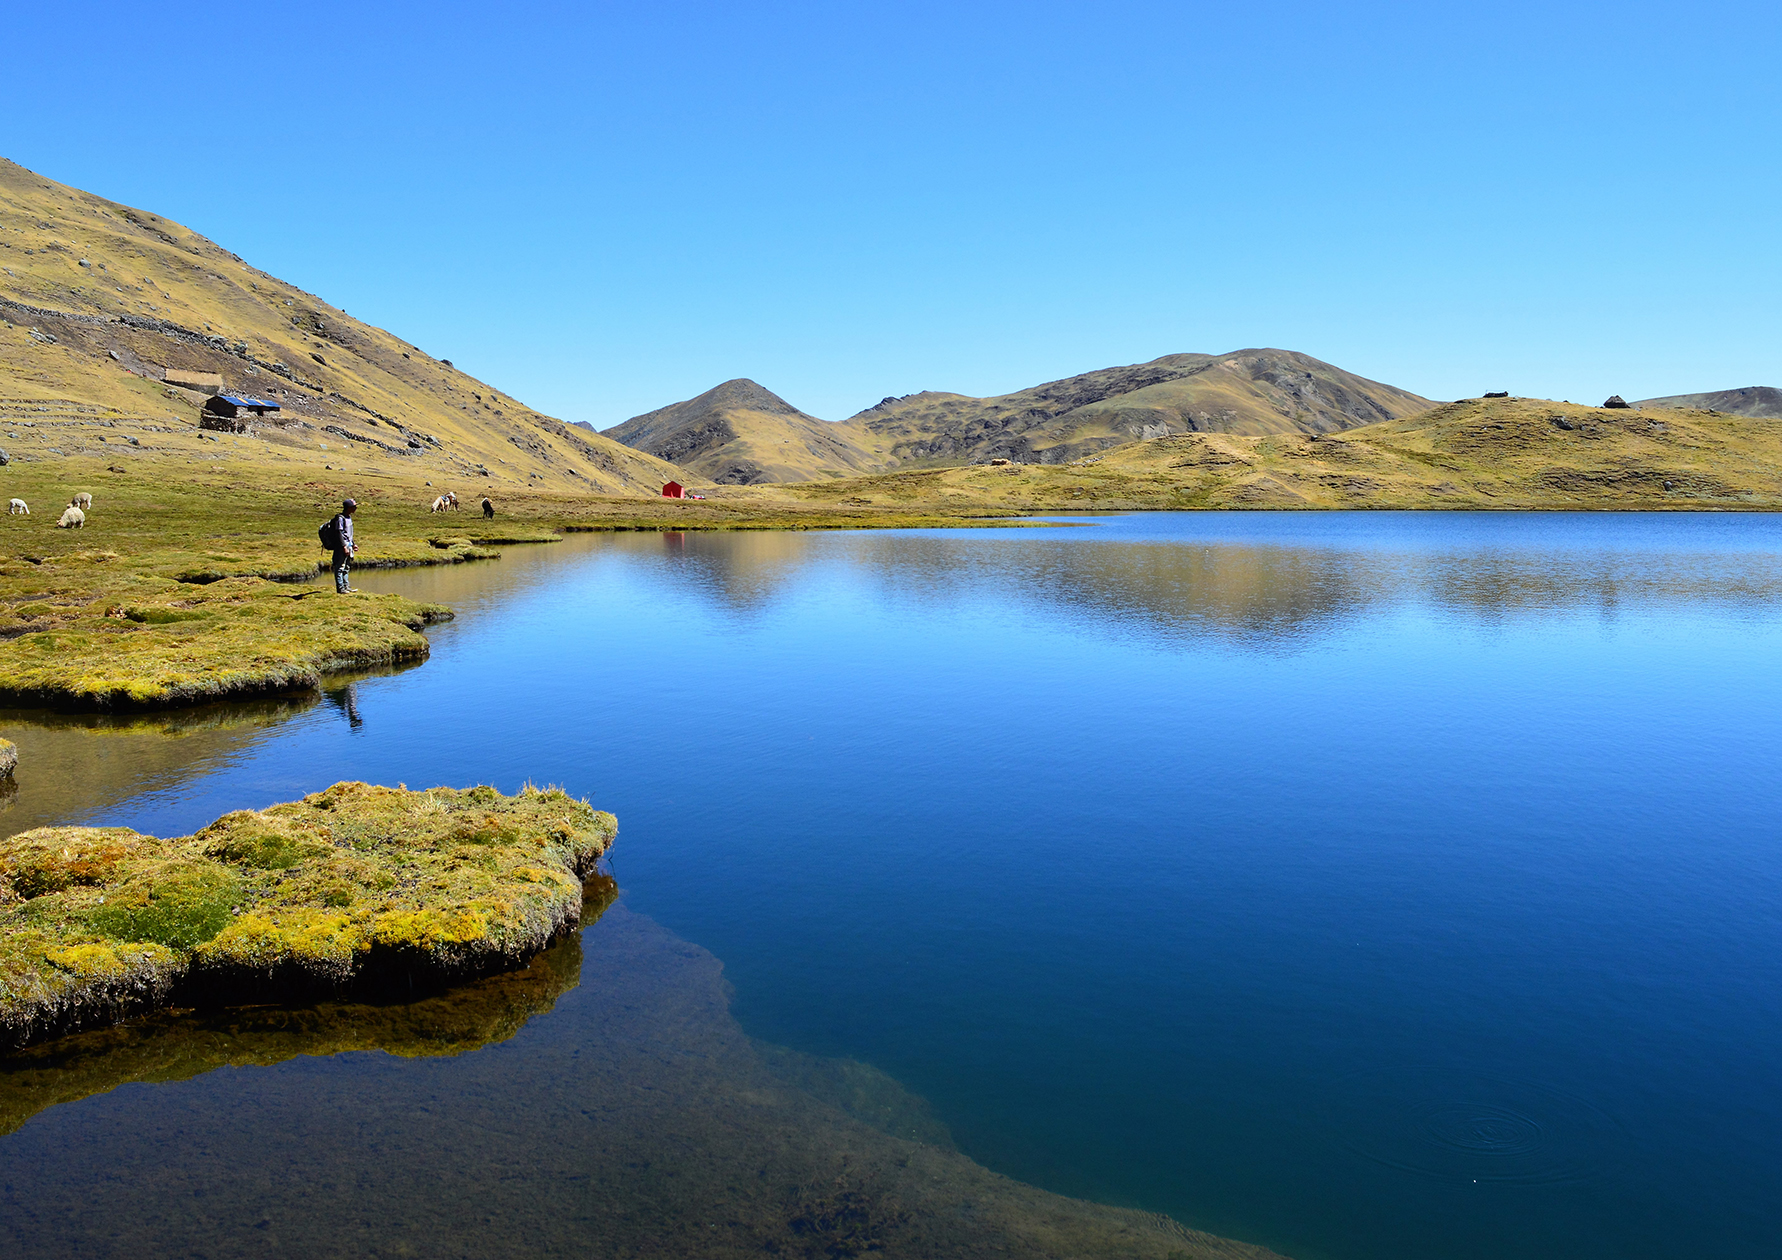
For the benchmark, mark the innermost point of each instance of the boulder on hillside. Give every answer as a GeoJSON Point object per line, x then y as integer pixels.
{"type": "Point", "coordinates": [1501, 393]}
{"type": "Point", "coordinates": [1616, 400]}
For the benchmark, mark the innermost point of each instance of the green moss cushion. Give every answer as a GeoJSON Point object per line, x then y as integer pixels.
{"type": "Point", "coordinates": [354, 886]}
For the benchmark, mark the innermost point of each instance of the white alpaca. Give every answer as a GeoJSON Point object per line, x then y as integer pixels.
{"type": "Point", "coordinates": [19, 508]}
{"type": "Point", "coordinates": [82, 500]}
{"type": "Point", "coordinates": [73, 518]}
{"type": "Point", "coordinates": [439, 504]}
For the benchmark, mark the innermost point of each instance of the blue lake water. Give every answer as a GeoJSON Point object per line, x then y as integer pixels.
{"type": "Point", "coordinates": [1379, 886]}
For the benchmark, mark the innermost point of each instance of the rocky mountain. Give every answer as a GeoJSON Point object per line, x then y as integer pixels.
{"type": "Point", "coordinates": [105, 310]}
{"type": "Point", "coordinates": [1243, 392]}
{"type": "Point", "coordinates": [741, 434]}
{"type": "Point", "coordinates": [1761, 401]}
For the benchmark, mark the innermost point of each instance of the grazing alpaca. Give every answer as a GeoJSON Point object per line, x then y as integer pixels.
{"type": "Point", "coordinates": [83, 500]}
{"type": "Point", "coordinates": [488, 510]}
{"type": "Point", "coordinates": [19, 508]}
{"type": "Point", "coordinates": [451, 498]}
{"type": "Point", "coordinates": [440, 504]}
{"type": "Point", "coordinates": [73, 518]}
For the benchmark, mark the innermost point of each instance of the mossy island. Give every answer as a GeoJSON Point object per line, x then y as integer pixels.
{"type": "Point", "coordinates": [357, 889]}
{"type": "Point", "coordinates": [178, 1045]}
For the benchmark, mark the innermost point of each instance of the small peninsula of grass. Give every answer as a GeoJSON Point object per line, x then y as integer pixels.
{"type": "Point", "coordinates": [146, 641]}
{"type": "Point", "coordinates": [350, 889]}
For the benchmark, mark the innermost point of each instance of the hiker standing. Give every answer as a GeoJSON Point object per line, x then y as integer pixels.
{"type": "Point", "coordinates": [343, 545]}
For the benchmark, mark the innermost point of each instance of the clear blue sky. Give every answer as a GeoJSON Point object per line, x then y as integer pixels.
{"type": "Point", "coordinates": [602, 208]}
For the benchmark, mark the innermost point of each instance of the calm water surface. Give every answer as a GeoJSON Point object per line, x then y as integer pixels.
{"type": "Point", "coordinates": [1364, 886]}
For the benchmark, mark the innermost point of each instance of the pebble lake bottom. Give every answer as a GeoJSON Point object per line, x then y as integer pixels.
{"type": "Point", "coordinates": [1399, 886]}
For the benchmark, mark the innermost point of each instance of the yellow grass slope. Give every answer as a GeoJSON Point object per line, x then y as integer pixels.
{"type": "Point", "coordinates": [1482, 453]}
{"type": "Point", "coordinates": [98, 301]}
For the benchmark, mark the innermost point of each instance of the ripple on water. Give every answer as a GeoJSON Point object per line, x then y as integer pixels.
{"type": "Point", "coordinates": [1466, 1127]}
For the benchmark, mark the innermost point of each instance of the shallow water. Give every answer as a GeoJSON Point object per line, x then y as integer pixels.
{"type": "Point", "coordinates": [1366, 885]}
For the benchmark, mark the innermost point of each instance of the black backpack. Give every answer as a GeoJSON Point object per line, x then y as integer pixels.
{"type": "Point", "coordinates": [330, 533]}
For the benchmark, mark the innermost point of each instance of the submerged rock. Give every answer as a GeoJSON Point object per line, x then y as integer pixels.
{"type": "Point", "coordinates": [355, 889]}
{"type": "Point", "coordinates": [9, 758]}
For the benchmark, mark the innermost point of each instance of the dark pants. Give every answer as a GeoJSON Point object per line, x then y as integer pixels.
{"type": "Point", "coordinates": [341, 563]}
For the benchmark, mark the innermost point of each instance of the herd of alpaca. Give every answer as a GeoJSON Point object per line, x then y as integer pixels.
{"type": "Point", "coordinates": [74, 516]}
{"type": "Point", "coordinates": [449, 502]}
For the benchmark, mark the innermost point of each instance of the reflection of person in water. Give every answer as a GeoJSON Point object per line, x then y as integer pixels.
{"type": "Point", "coordinates": [346, 699]}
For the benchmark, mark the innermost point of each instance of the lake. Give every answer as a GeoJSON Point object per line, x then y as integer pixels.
{"type": "Point", "coordinates": [1375, 885]}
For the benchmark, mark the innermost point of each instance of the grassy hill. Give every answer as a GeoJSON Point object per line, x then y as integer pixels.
{"type": "Point", "coordinates": [1244, 392]}
{"type": "Point", "coordinates": [740, 434]}
{"type": "Point", "coordinates": [99, 300]}
{"type": "Point", "coordinates": [1481, 453]}
{"type": "Point", "coordinates": [1754, 400]}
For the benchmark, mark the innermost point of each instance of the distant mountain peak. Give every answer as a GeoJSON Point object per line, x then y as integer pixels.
{"type": "Point", "coordinates": [743, 394]}
{"type": "Point", "coordinates": [740, 433]}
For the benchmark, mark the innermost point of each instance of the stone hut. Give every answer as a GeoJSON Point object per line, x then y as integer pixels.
{"type": "Point", "coordinates": [228, 413]}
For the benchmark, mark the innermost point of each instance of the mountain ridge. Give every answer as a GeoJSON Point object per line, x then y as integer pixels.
{"type": "Point", "coordinates": [738, 433]}
{"type": "Point", "coordinates": [1758, 401]}
{"type": "Point", "coordinates": [1475, 454]}
{"type": "Point", "coordinates": [1251, 391]}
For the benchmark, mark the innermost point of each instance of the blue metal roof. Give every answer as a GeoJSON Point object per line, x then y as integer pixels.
{"type": "Point", "coordinates": [263, 403]}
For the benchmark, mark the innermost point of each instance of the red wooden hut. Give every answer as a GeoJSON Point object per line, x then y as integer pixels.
{"type": "Point", "coordinates": [674, 490]}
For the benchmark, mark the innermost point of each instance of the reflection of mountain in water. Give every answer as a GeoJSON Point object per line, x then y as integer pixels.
{"type": "Point", "coordinates": [742, 571]}
{"type": "Point", "coordinates": [638, 1119]}
{"type": "Point", "coordinates": [73, 766]}
{"type": "Point", "coordinates": [1257, 594]}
